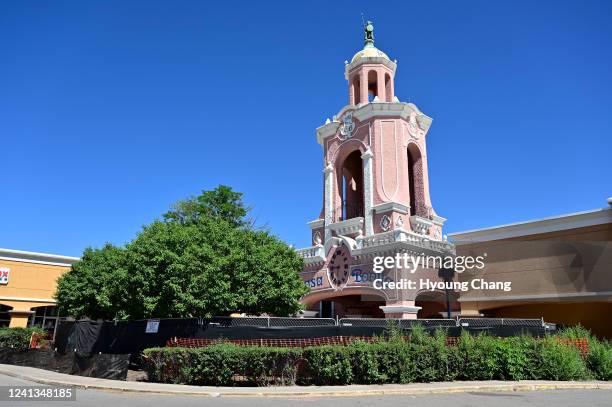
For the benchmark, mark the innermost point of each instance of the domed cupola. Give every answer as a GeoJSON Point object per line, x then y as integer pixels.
{"type": "Point", "coordinates": [369, 50]}
{"type": "Point", "coordinates": [370, 73]}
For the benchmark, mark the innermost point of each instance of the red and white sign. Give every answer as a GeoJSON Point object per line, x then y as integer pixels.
{"type": "Point", "coordinates": [4, 275]}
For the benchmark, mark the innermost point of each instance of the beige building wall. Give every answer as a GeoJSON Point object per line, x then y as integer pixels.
{"type": "Point", "coordinates": [32, 281]}
{"type": "Point", "coordinates": [560, 269]}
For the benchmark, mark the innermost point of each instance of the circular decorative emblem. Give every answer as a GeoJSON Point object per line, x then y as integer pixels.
{"type": "Point", "coordinates": [413, 127]}
{"type": "Point", "coordinates": [348, 125]}
{"type": "Point", "coordinates": [339, 267]}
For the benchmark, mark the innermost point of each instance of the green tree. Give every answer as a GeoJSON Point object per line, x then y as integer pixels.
{"type": "Point", "coordinates": [203, 259]}
{"type": "Point", "coordinates": [221, 203]}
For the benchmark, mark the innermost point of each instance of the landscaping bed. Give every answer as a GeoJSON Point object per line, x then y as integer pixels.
{"type": "Point", "coordinates": [574, 355]}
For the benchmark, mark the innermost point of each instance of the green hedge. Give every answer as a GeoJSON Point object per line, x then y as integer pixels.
{"type": "Point", "coordinates": [17, 338]}
{"type": "Point", "coordinates": [222, 365]}
{"type": "Point", "coordinates": [599, 359]}
{"type": "Point", "coordinates": [422, 358]}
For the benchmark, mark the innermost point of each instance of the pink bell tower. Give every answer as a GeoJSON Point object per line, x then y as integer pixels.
{"type": "Point", "coordinates": [376, 197]}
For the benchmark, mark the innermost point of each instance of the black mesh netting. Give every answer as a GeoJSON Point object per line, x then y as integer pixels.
{"type": "Point", "coordinates": [98, 365]}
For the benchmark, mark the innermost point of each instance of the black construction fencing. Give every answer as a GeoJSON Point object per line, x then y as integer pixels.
{"type": "Point", "coordinates": [268, 321]}
{"type": "Point", "coordinates": [491, 322]}
{"type": "Point", "coordinates": [87, 337]}
{"type": "Point", "coordinates": [504, 327]}
{"type": "Point", "coordinates": [119, 337]}
{"type": "Point", "coordinates": [402, 323]}
{"type": "Point", "coordinates": [103, 366]}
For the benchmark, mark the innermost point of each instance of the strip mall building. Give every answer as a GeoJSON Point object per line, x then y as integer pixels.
{"type": "Point", "coordinates": [560, 269]}
{"type": "Point", "coordinates": [28, 282]}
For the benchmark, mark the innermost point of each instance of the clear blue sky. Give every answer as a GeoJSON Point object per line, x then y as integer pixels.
{"type": "Point", "coordinates": [112, 110]}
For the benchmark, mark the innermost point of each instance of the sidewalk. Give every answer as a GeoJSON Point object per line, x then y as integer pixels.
{"type": "Point", "coordinates": [52, 378]}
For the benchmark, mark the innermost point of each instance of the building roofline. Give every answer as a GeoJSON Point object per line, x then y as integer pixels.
{"type": "Point", "coordinates": [36, 257]}
{"type": "Point", "coordinates": [536, 226]}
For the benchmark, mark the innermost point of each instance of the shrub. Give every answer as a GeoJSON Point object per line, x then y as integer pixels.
{"type": "Point", "coordinates": [365, 361]}
{"type": "Point", "coordinates": [222, 365]}
{"type": "Point", "coordinates": [517, 357]}
{"type": "Point", "coordinates": [599, 359]}
{"type": "Point", "coordinates": [575, 332]}
{"type": "Point", "coordinates": [558, 361]}
{"type": "Point", "coordinates": [264, 366]}
{"type": "Point", "coordinates": [328, 365]}
{"type": "Point", "coordinates": [479, 357]}
{"type": "Point", "coordinates": [17, 338]}
{"type": "Point", "coordinates": [432, 359]}
{"type": "Point", "coordinates": [395, 362]}
{"type": "Point", "coordinates": [167, 365]}
{"type": "Point", "coordinates": [216, 365]}
{"type": "Point", "coordinates": [394, 331]}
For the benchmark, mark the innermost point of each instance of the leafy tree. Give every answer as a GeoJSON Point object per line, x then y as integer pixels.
{"type": "Point", "coordinates": [90, 287]}
{"type": "Point", "coordinates": [204, 258]}
{"type": "Point", "coordinates": [222, 203]}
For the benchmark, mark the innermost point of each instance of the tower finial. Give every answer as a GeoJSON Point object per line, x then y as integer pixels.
{"type": "Point", "coordinates": [368, 30]}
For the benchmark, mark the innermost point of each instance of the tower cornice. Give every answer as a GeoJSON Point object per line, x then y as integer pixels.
{"type": "Point", "coordinates": [369, 61]}
{"type": "Point", "coordinates": [369, 110]}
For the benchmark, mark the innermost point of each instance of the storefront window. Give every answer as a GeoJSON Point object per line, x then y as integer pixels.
{"type": "Point", "coordinates": [44, 317]}
{"type": "Point", "coordinates": [5, 317]}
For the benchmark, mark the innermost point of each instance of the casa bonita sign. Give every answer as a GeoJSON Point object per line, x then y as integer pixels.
{"type": "Point", "coordinates": [4, 275]}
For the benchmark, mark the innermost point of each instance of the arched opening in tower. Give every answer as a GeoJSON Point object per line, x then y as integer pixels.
{"type": "Point", "coordinates": [372, 85]}
{"type": "Point", "coordinates": [356, 90]}
{"type": "Point", "coordinates": [388, 92]}
{"type": "Point", "coordinates": [351, 187]}
{"type": "Point", "coordinates": [415, 182]}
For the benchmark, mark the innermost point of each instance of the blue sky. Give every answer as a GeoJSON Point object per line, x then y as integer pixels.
{"type": "Point", "coordinates": [112, 110]}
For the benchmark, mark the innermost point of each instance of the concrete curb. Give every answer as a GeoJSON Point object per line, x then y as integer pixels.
{"type": "Point", "coordinates": [293, 391]}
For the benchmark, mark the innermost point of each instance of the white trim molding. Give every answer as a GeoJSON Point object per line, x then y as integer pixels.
{"type": "Point", "coordinates": [328, 199]}
{"type": "Point", "coordinates": [317, 223]}
{"type": "Point", "coordinates": [543, 297]}
{"type": "Point", "coordinates": [38, 258]}
{"type": "Point", "coordinates": [399, 309]}
{"type": "Point", "coordinates": [367, 191]}
{"type": "Point", "coordinates": [392, 206]}
{"type": "Point", "coordinates": [369, 61]}
{"type": "Point", "coordinates": [535, 227]}
{"type": "Point", "coordinates": [420, 224]}
{"type": "Point", "coordinates": [28, 299]}
{"type": "Point", "coordinates": [314, 255]}
{"type": "Point", "coordinates": [20, 312]}
{"type": "Point", "coordinates": [348, 226]}
{"type": "Point", "coordinates": [438, 220]}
